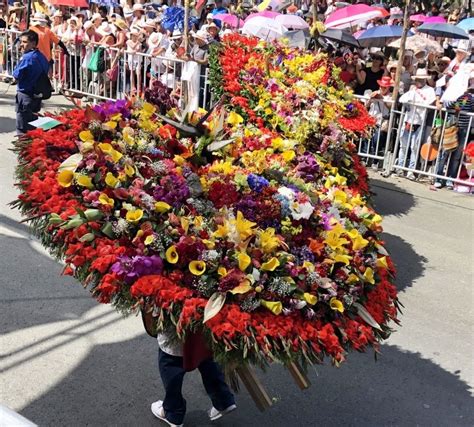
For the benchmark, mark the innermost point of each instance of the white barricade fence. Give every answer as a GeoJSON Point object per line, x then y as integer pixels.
{"type": "Point", "coordinates": [9, 52]}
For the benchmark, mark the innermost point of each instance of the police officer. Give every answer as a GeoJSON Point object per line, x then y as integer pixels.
{"type": "Point", "coordinates": [32, 64]}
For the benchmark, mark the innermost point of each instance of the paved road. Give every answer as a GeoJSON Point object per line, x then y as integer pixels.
{"type": "Point", "coordinates": [65, 360]}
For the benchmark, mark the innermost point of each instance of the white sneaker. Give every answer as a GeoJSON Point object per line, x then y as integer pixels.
{"type": "Point", "coordinates": [411, 176]}
{"type": "Point", "coordinates": [215, 414]}
{"type": "Point", "coordinates": [449, 185]}
{"type": "Point", "coordinates": [438, 184]}
{"type": "Point", "coordinates": [159, 412]}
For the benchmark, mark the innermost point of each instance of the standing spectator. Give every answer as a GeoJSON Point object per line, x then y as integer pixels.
{"type": "Point", "coordinates": [391, 71]}
{"type": "Point", "coordinates": [414, 120]}
{"type": "Point", "coordinates": [32, 64]}
{"type": "Point", "coordinates": [121, 33]}
{"type": "Point", "coordinates": [464, 104]}
{"type": "Point", "coordinates": [58, 25]}
{"type": "Point", "coordinates": [138, 15]}
{"type": "Point", "coordinates": [367, 77]}
{"type": "Point", "coordinates": [409, 71]}
{"type": "Point", "coordinates": [461, 58]}
{"type": "Point", "coordinates": [39, 24]}
{"type": "Point", "coordinates": [97, 20]}
{"type": "Point", "coordinates": [134, 61]}
{"type": "Point", "coordinates": [73, 38]}
{"type": "Point", "coordinates": [16, 16]}
{"type": "Point", "coordinates": [200, 54]}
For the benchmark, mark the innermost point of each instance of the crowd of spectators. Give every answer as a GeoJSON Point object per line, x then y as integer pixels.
{"type": "Point", "coordinates": [139, 49]}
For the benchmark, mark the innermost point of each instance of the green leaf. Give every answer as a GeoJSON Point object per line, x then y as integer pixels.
{"type": "Point", "coordinates": [366, 316]}
{"type": "Point", "coordinates": [213, 306]}
{"type": "Point", "coordinates": [107, 230]}
{"type": "Point", "coordinates": [88, 237]}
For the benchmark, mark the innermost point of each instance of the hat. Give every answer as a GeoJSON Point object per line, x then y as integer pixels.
{"type": "Point", "coordinates": [394, 64]}
{"type": "Point", "coordinates": [73, 19]}
{"type": "Point", "coordinates": [201, 35]}
{"type": "Point", "coordinates": [149, 23]}
{"type": "Point", "coordinates": [463, 46]}
{"type": "Point", "coordinates": [421, 74]}
{"type": "Point", "coordinates": [121, 24]}
{"type": "Point", "coordinates": [96, 16]}
{"type": "Point", "coordinates": [39, 18]}
{"type": "Point", "coordinates": [16, 6]}
{"type": "Point", "coordinates": [418, 51]}
{"type": "Point", "coordinates": [378, 54]}
{"type": "Point", "coordinates": [445, 59]}
{"type": "Point", "coordinates": [210, 16]}
{"type": "Point", "coordinates": [210, 3]}
{"type": "Point", "coordinates": [133, 32]}
{"type": "Point", "coordinates": [138, 7]}
{"type": "Point", "coordinates": [385, 81]}
{"type": "Point", "coordinates": [58, 14]}
{"type": "Point", "coordinates": [105, 30]}
{"type": "Point", "coordinates": [154, 40]}
{"type": "Point", "coordinates": [87, 25]}
{"type": "Point", "coordinates": [212, 25]}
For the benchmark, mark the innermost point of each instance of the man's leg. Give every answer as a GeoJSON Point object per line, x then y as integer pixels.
{"type": "Point", "coordinates": [172, 374]}
{"type": "Point", "coordinates": [415, 147]}
{"type": "Point", "coordinates": [25, 108]}
{"type": "Point", "coordinates": [215, 385]}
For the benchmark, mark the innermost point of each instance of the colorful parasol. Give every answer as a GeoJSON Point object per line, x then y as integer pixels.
{"type": "Point", "coordinates": [352, 15]}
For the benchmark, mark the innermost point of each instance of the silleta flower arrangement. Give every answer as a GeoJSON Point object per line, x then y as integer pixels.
{"type": "Point", "coordinates": [256, 230]}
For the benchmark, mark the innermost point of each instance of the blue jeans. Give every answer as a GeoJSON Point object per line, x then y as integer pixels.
{"type": "Point", "coordinates": [172, 375]}
{"type": "Point", "coordinates": [26, 108]}
{"type": "Point", "coordinates": [456, 156]}
{"type": "Point", "coordinates": [409, 140]}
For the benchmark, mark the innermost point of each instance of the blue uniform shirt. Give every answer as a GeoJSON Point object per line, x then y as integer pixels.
{"type": "Point", "coordinates": [28, 70]}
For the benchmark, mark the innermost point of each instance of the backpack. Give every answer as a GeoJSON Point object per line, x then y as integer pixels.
{"type": "Point", "coordinates": [43, 88]}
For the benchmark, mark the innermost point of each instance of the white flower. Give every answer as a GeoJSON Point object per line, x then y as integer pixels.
{"type": "Point", "coordinates": [301, 210]}
{"type": "Point", "coordinates": [287, 192]}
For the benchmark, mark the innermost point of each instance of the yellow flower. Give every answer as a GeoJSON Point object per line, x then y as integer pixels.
{"type": "Point", "coordinates": [222, 231]}
{"type": "Point", "coordinates": [234, 119]}
{"type": "Point", "coordinates": [184, 224]}
{"type": "Point", "coordinates": [197, 267]}
{"type": "Point", "coordinates": [111, 180]}
{"type": "Point", "coordinates": [106, 200]}
{"type": "Point", "coordinates": [127, 134]}
{"type": "Point", "coordinates": [268, 241]}
{"type": "Point", "coordinates": [244, 260]}
{"type": "Point", "coordinates": [382, 262]}
{"type": "Point", "coordinates": [171, 255]}
{"type": "Point", "coordinates": [198, 221]}
{"type": "Point", "coordinates": [288, 156]}
{"type": "Point", "coordinates": [84, 181]}
{"type": "Point", "coordinates": [148, 108]}
{"type": "Point", "coordinates": [271, 264]}
{"type": "Point", "coordinates": [86, 136]}
{"type": "Point", "coordinates": [275, 307]}
{"type": "Point", "coordinates": [335, 304]}
{"type": "Point", "coordinates": [342, 258]}
{"type": "Point", "coordinates": [65, 178]}
{"type": "Point", "coordinates": [209, 243]}
{"type": "Point", "coordinates": [162, 207]}
{"type": "Point", "coordinates": [134, 216]}
{"type": "Point", "coordinates": [244, 226]}
{"type": "Point", "coordinates": [242, 288]}
{"type": "Point", "coordinates": [334, 239]}
{"type": "Point", "coordinates": [110, 125]}
{"type": "Point", "coordinates": [222, 271]}
{"type": "Point", "coordinates": [353, 278]}
{"type": "Point", "coordinates": [310, 298]}
{"type": "Point", "coordinates": [129, 170]}
{"type": "Point", "coordinates": [221, 167]}
{"type": "Point", "coordinates": [369, 275]}
{"type": "Point", "coordinates": [149, 239]}
{"type": "Point", "coordinates": [107, 148]}
{"type": "Point", "coordinates": [179, 160]}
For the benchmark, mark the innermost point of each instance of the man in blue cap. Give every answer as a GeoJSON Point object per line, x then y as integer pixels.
{"type": "Point", "coordinates": [27, 74]}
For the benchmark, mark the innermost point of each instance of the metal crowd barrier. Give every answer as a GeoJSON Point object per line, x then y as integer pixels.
{"type": "Point", "coordinates": [408, 149]}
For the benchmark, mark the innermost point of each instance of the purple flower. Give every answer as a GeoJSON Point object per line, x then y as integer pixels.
{"type": "Point", "coordinates": [302, 254]}
{"type": "Point", "coordinates": [110, 108]}
{"type": "Point", "coordinates": [308, 167]}
{"type": "Point", "coordinates": [256, 182]}
{"type": "Point", "coordinates": [173, 189]}
{"type": "Point", "coordinates": [131, 269]}
{"type": "Point", "coordinates": [248, 207]}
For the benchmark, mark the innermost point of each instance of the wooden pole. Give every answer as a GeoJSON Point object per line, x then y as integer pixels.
{"type": "Point", "coordinates": [28, 14]}
{"type": "Point", "coordinates": [186, 26]}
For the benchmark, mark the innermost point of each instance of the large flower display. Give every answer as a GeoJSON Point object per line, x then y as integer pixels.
{"type": "Point", "coordinates": [256, 230]}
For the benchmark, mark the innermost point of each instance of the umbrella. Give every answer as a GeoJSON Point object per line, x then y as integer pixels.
{"type": "Point", "coordinates": [347, 16]}
{"type": "Point", "coordinates": [229, 19]}
{"type": "Point", "coordinates": [380, 36]}
{"type": "Point", "coordinates": [419, 42]}
{"type": "Point", "coordinates": [265, 14]}
{"type": "Point", "coordinates": [435, 20]}
{"type": "Point", "coordinates": [418, 18]}
{"type": "Point", "coordinates": [264, 28]}
{"type": "Point", "coordinates": [341, 36]}
{"type": "Point", "coordinates": [70, 3]}
{"type": "Point", "coordinates": [108, 3]}
{"type": "Point", "coordinates": [443, 30]}
{"type": "Point", "coordinates": [466, 24]}
{"type": "Point", "coordinates": [292, 21]}
{"type": "Point", "coordinates": [265, 3]}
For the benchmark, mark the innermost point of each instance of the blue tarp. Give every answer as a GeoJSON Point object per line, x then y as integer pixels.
{"type": "Point", "coordinates": [173, 19]}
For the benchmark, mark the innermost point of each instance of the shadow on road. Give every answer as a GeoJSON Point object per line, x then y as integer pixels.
{"type": "Point", "coordinates": [389, 199]}
{"type": "Point", "coordinates": [7, 124]}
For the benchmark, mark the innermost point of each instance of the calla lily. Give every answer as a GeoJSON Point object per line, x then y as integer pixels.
{"type": "Point", "coordinates": [129, 170]}
{"type": "Point", "coordinates": [84, 181]}
{"type": "Point", "coordinates": [162, 207]}
{"type": "Point", "coordinates": [244, 260]}
{"type": "Point", "coordinates": [310, 298]}
{"type": "Point", "coordinates": [86, 136]}
{"type": "Point", "coordinates": [369, 275]}
{"type": "Point", "coordinates": [111, 180]}
{"type": "Point", "coordinates": [197, 267]}
{"type": "Point", "coordinates": [271, 264]}
{"type": "Point", "coordinates": [184, 224]}
{"type": "Point", "coordinates": [275, 307]}
{"type": "Point", "coordinates": [65, 178]}
{"type": "Point", "coordinates": [222, 231]}
{"type": "Point", "coordinates": [134, 216]}
{"type": "Point", "coordinates": [171, 255]}
{"type": "Point", "coordinates": [342, 258]}
{"type": "Point", "coordinates": [222, 271]}
{"type": "Point", "coordinates": [243, 288]}
{"type": "Point", "coordinates": [244, 226]}
{"type": "Point", "coordinates": [337, 305]}
{"type": "Point", "coordinates": [382, 262]}
{"type": "Point", "coordinates": [110, 125]}
{"type": "Point", "coordinates": [209, 243]}
{"type": "Point", "coordinates": [149, 239]}
{"type": "Point", "coordinates": [234, 119]}
{"type": "Point", "coordinates": [107, 148]}
{"type": "Point", "coordinates": [106, 200]}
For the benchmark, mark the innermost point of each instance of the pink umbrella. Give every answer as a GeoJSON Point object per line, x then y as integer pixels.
{"type": "Point", "coordinates": [265, 14]}
{"type": "Point", "coordinates": [292, 21]}
{"type": "Point", "coordinates": [358, 33]}
{"type": "Point", "coordinates": [418, 18]}
{"type": "Point", "coordinates": [229, 19]}
{"type": "Point", "coordinates": [351, 15]}
{"type": "Point", "coordinates": [435, 20]}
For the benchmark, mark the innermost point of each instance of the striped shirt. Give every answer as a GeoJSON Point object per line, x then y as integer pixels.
{"type": "Point", "coordinates": [464, 103]}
